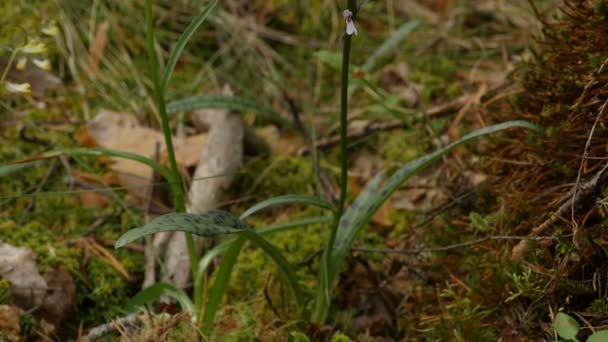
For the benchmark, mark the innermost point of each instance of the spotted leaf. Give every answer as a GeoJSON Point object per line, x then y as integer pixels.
{"type": "Point", "coordinates": [210, 223]}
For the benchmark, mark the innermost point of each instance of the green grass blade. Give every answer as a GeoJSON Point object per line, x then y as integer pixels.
{"type": "Point", "coordinates": [390, 45]}
{"type": "Point", "coordinates": [371, 199]}
{"type": "Point", "coordinates": [181, 44]}
{"type": "Point", "coordinates": [210, 223]}
{"type": "Point", "coordinates": [8, 169]}
{"type": "Point", "coordinates": [285, 200]}
{"type": "Point", "coordinates": [217, 290]}
{"type": "Point", "coordinates": [154, 292]}
{"type": "Point", "coordinates": [234, 103]}
{"type": "Point", "coordinates": [281, 262]}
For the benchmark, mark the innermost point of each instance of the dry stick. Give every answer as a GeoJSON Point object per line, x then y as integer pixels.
{"type": "Point", "coordinates": [108, 328]}
{"type": "Point", "coordinates": [435, 112]}
{"type": "Point", "coordinates": [450, 247]}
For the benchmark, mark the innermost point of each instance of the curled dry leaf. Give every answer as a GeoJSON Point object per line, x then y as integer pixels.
{"type": "Point", "coordinates": [120, 131]}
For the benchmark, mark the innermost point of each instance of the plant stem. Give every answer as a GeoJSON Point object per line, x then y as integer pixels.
{"type": "Point", "coordinates": [159, 95]}
{"type": "Point", "coordinates": [352, 6]}
{"type": "Point", "coordinates": [327, 273]}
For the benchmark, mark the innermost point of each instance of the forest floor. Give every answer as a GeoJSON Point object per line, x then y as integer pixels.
{"type": "Point", "coordinates": [435, 262]}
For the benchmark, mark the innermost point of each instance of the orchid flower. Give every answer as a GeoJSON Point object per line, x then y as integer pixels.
{"type": "Point", "coordinates": [350, 24]}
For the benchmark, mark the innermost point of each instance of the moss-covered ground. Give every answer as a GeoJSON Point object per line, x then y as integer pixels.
{"type": "Point", "coordinates": [283, 54]}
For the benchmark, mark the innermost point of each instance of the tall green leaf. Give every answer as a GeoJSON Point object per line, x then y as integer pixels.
{"type": "Point", "coordinates": [8, 169]}
{"type": "Point", "coordinates": [220, 283]}
{"type": "Point", "coordinates": [234, 103]}
{"type": "Point", "coordinates": [285, 200]}
{"type": "Point", "coordinates": [154, 292]}
{"type": "Point", "coordinates": [371, 199]}
{"type": "Point", "coordinates": [181, 43]}
{"type": "Point", "coordinates": [230, 252]}
{"type": "Point", "coordinates": [210, 223]}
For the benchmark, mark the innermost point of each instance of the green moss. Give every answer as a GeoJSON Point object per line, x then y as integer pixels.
{"type": "Point", "coordinates": [436, 73]}
{"type": "Point", "coordinates": [600, 7]}
{"type": "Point", "coordinates": [600, 306]}
{"type": "Point", "coordinates": [484, 223]}
{"type": "Point", "coordinates": [104, 290]}
{"type": "Point", "coordinates": [254, 266]}
{"type": "Point", "coordinates": [401, 147]}
{"type": "Point", "coordinates": [42, 240]}
{"type": "Point", "coordinates": [340, 337]}
{"type": "Point", "coordinates": [19, 19]}
{"type": "Point", "coordinates": [277, 175]}
{"type": "Point", "coordinates": [296, 336]}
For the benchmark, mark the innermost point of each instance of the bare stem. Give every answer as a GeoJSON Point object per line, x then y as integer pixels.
{"type": "Point", "coordinates": [159, 95]}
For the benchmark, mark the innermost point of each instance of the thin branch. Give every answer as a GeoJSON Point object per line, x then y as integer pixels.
{"type": "Point", "coordinates": [435, 112]}
{"type": "Point", "coordinates": [451, 247]}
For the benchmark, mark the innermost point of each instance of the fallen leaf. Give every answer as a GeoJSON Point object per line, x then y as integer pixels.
{"type": "Point", "coordinates": [281, 143]}
{"type": "Point", "coordinates": [93, 200]}
{"type": "Point", "coordinates": [120, 131]}
{"type": "Point", "coordinates": [98, 45]}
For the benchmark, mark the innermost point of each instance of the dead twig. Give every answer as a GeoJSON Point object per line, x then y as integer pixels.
{"type": "Point", "coordinates": [373, 127]}
{"type": "Point", "coordinates": [108, 328]}
{"type": "Point", "coordinates": [451, 247]}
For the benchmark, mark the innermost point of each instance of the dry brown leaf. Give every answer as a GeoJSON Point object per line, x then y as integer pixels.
{"type": "Point", "coordinates": [123, 132]}
{"type": "Point", "coordinates": [97, 47]}
{"type": "Point", "coordinates": [281, 144]}
{"type": "Point", "coordinates": [93, 200]}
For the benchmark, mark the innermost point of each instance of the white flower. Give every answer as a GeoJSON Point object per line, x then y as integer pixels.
{"type": "Point", "coordinates": [350, 24]}
{"type": "Point", "coordinates": [17, 87]}
{"type": "Point", "coordinates": [51, 30]}
{"type": "Point", "coordinates": [21, 63]}
{"type": "Point", "coordinates": [43, 64]}
{"type": "Point", "coordinates": [34, 47]}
